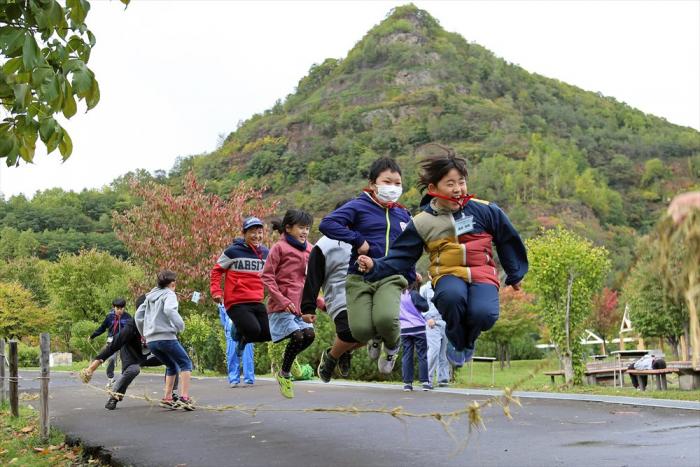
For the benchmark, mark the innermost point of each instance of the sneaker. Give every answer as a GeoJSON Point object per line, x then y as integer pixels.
{"type": "Point", "coordinates": [185, 403]}
{"type": "Point", "coordinates": [249, 383]}
{"type": "Point", "coordinates": [233, 385]}
{"type": "Point", "coordinates": [387, 360]}
{"type": "Point", "coordinates": [286, 386]}
{"type": "Point", "coordinates": [373, 349]}
{"type": "Point", "coordinates": [175, 397]}
{"type": "Point", "coordinates": [111, 403]}
{"type": "Point", "coordinates": [168, 404]}
{"type": "Point", "coordinates": [327, 365]}
{"type": "Point", "coordinates": [344, 364]}
{"type": "Point", "coordinates": [443, 384]}
{"type": "Point", "coordinates": [297, 372]}
{"type": "Point", "coordinates": [427, 386]}
{"type": "Point", "coordinates": [468, 355]}
{"type": "Point", "coordinates": [110, 383]}
{"type": "Point", "coordinates": [456, 357]}
{"type": "Point", "coordinates": [407, 388]}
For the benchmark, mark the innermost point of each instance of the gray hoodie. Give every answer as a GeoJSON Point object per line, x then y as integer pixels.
{"type": "Point", "coordinates": [157, 318]}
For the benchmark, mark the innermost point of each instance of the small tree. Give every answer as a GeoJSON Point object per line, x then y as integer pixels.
{"type": "Point", "coordinates": [185, 232]}
{"type": "Point", "coordinates": [606, 314]}
{"type": "Point", "coordinates": [566, 272]}
{"type": "Point", "coordinates": [19, 314]}
{"type": "Point", "coordinates": [516, 319]}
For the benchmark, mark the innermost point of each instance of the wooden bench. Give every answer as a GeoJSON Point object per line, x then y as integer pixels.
{"type": "Point", "coordinates": [659, 376]}
{"type": "Point", "coordinates": [554, 374]}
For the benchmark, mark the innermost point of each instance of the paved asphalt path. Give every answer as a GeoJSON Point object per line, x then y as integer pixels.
{"type": "Point", "coordinates": [542, 432]}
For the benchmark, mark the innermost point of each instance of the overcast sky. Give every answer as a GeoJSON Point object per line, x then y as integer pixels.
{"type": "Point", "coordinates": [175, 74]}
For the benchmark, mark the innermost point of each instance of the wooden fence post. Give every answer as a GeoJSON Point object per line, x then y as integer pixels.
{"type": "Point", "coordinates": [14, 379]}
{"type": "Point", "coordinates": [44, 386]}
{"type": "Point", "coordinates": [2, 370]}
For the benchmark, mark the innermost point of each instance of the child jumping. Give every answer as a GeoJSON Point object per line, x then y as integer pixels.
{"type": "Point", "coordinates": [283, 276]}
{"type": "Point", "coordinates": [116, 319]}
{"type": "Point", "coordinates": [413, 337]}
{"type": "Point", "coordinates": [158, 321]}
{"type": "Point", "coordinates": [457, 230]}
{"type": "Point", "coordinates": [241, 266]}
{"type": "Point", "coordinates": [370, 223]}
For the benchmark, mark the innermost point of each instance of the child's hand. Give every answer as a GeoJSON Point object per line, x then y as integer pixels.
{"type": "Point", "coordinates": [218, 300]}
{"type": "Point", "coordinates": [365, 264]}
{"type": "Point", "coordinates": [431, 323]}
{"type": "Point", "coordinates": [292, 309]}
{"type": "Point", "coordinates": [311, 319]}
{"type": "Point", "coordinates": [364, 248]}
{"type": "Point", "coordinates": [518, 286]}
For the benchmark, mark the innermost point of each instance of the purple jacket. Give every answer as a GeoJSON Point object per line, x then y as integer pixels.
{"type": "Point", "coordinates": [411, 312]}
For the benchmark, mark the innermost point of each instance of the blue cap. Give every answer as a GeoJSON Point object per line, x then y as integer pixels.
{"type": "Point", "coordinates": [252, 222]}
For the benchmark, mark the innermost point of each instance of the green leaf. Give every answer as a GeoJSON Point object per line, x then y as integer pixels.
{"type": "Point", "coordinates": [11, 39]}
{"type": "Point", "coordinates": [69, 105]}
{"type": "Point", "coordinates": [78, 10]}
{"type": "Point", "coordinates": [54, 139]}
{"type": "Point", "coordinates": [91, 39]}
{"type": "Point", "coordinates": [31, 55]}
{"type": "Point", "coordinates": [12, 65]}
{"type": "Point", "coordinates": [93, 96]}
{"type": "Point", "coordinates": [23, 96]}
{"type": "Point", "coordinates": [65, 147]}
{"type": "Point", "coordinates": [47, 127]}
{"type": "Point", "coordinates": [82, 81]}
{"type": "Point", "coordinates": [49, 89]}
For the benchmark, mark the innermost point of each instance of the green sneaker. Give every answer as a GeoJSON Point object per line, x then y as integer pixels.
{"type": "Point", "coordinates": [286, 386]}
{"type": "Point", "coordinates": [297, 372]}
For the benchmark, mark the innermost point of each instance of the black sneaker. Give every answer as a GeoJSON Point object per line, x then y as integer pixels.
{"type": "Point", "coordinates": [326, 366]}
{"type": "Point", "coordinates": [175, 397]}
{"type": "Point", "coordinates": [111, 403]}
{"type": "Point", "coordinates": [344, 364]}
{"type": "Point", "coordinates": [240, 347]}
{"type": "Point", "coordinates": [185, 403]}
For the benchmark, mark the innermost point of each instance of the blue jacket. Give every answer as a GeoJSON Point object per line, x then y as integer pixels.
{"type": "Point", "coordinates": [364, 219]}
{"type": "Point", "coordinates": [108, 324]}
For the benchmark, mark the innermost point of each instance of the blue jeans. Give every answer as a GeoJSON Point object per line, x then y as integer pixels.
{"type": "Point", "coordinates": [420, 343]}
{"type": "Point", "coordinates": [468, 309]}
{"type": "Point", "coordinates": [173, 356]}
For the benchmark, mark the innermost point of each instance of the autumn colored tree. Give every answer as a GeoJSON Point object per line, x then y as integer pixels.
{"type": "Point", "coordinates": [185, 232]}
{"type": "Point", "coordinates": [606, 314]}
{"type": "Point", "coordinates": [517, 318]}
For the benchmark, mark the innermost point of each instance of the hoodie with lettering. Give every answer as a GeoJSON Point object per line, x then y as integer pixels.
{"type": "Point", "coordinates": [241, 266]}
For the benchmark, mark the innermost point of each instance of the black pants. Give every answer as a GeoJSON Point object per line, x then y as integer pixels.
{"type": "Point", "coordinates": [251, 321]}
{"type": "Point", "coordinates": [637, 380]}
{"type": "Point", "coordinates": [131, 369]}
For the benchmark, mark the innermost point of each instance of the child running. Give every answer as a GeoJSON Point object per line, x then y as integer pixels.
{"type": "Point", "coordinates": [158, 321]}
{"type": "Point", "coordinates": [413, 305]}
{"type": "Point", "coordinates": [370, 223]}
{"type": "Point", "coordinates": [457, 230]}
{"type": "Point", "coordinates": [241, 265]}
{"type": "Point", "coordinates": [283, 276]}
{"type": "Point", "coordinates": [328, 268]}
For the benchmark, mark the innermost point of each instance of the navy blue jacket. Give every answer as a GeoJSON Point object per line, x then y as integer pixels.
{"type": "Point", "coordinates": [363, 219]}
{"type": "Point", "coordinates": [108, 324]}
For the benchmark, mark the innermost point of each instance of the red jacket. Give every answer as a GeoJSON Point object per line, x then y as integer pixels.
{"type": "Point", "coordinates": [284, 275]}
{"type": "Point", "coordinates": [241, 266]}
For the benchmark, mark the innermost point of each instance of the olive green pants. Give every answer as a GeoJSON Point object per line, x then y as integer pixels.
{"type": "Point", "coordinates": [373, 308]}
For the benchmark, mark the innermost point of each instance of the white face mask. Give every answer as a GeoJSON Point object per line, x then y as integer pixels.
{"type": "Point", "coordinates": [389, 193]}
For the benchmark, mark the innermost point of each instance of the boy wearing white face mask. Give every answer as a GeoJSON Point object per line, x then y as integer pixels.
{"type": "Point", "coordinates": [370, 223]}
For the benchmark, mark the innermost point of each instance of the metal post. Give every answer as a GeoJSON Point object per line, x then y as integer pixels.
{"type": "Point", "coordinates": [14, 380]}
{"type": "Point", "coordinates": [44, 386]}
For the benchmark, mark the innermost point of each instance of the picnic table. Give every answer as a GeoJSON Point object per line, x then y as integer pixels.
{"type": "Point", "coordinates": [628, 354]}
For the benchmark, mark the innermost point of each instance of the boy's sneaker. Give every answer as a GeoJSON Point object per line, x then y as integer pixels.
{"type": "Point", "coordinates": [110, 383]}
{"type": "Point", "coordinates": [407, 388]}
{"type": "Point", "coordinates": [457, 358]}
{"type": "Point", "coordinates": [185, 403]}
{"type": "Point", "coordinates": [297, 372]}
{"type": "Point", "coordinates": [427, 386]}
{"type": "Point", "coordinates": [286, 386]}
{"type": "Point", "coordinates": [168, 404]}
{"type": "Point", "coordinates": [233, 385]}
{"type": "Point", "coordinates": [344, 364]}
{"type": "Point", "coordinates": [111, 403]}
{"type": "Point", "coordinates": [387, 360]}
{"type": "Point", "coordinates": [443, 384]}
{"type": "Point", "coordinates": [327, 365]}
{"type": "Point", "coordinates": [373, 349]}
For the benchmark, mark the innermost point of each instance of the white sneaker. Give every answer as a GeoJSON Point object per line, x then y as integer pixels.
{"type": "Point", "coordinates": [373, 349]}
{"type": "Point", "coordinates": [110, 383]}
{"type": "Point", "coordinates": [387, 360]}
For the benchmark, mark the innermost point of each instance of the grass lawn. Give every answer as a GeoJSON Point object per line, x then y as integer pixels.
{"type": "Point", "coordinates": [521, 369]}
{"type": "Point", "coordinates": [20, 443]}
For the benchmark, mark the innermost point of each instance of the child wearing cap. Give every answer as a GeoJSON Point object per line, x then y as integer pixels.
{"type": "Point", "coordinates": [240, 266]}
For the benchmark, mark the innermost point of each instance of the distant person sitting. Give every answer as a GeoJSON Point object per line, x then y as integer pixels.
{"type": "Point", "coordinates": [647, 362]}
{"type": "Point", "coordinates": [113, 323]}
